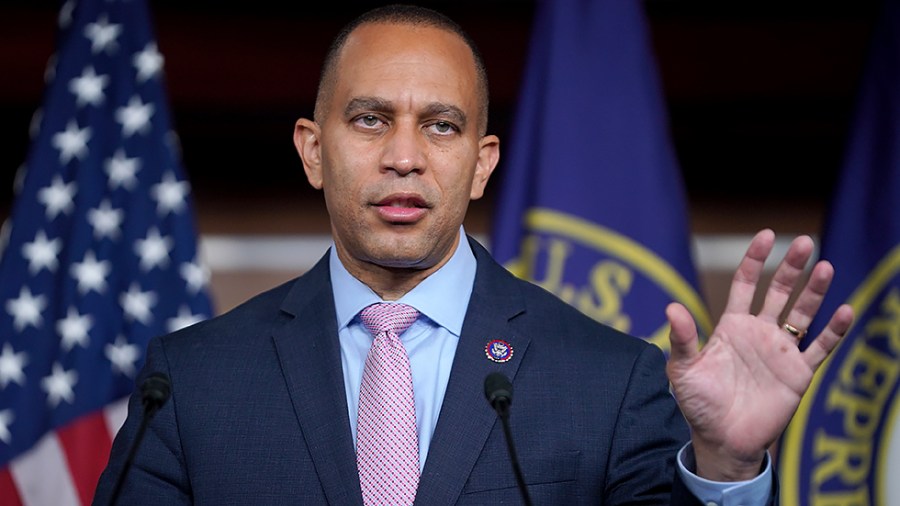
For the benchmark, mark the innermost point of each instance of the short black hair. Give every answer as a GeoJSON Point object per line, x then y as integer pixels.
{"type": "Point", "coordinates": [405, 15]}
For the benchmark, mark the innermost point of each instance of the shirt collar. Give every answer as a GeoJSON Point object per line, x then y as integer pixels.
{"type": "Point", "coordinates": [443, 296]}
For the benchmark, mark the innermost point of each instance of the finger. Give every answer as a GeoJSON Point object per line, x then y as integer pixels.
{"type": "Point", "coordinates": [786, 276]}
{"type": "Point", "coordinates": [810, 299]}
{"type": "Point", "coordinates": [819, 349]}
{"type": "Point", "coordinates": [682, 334]}
{"type": "Point", "coordinates": [746, 277]}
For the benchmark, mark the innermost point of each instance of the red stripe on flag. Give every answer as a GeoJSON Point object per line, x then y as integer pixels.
{"type": "Point", "coordinates": [86, 443]}
{"type": "Point", "coordinates": [8, 491]}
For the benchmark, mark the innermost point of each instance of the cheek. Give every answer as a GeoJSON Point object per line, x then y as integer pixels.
{"type": "Point", "coordinates": [341, 189]}
{"type": "Point", "coordinates": [340, 172]}
{"type": "Point", "coordinates": [342, 196]}
{"type": "Point", "coordinates": [461, 185]}
{"type": "Point", "coordinates": [457, 193]}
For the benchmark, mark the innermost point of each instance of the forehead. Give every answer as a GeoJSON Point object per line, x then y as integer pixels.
{"type": "Point", "coordinates": [384, 59]}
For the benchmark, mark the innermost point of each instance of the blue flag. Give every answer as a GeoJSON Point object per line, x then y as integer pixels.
{"type": "Point", "coordinates": [592, 205]}
{"type": "Point", "coordinates": [99, 254]}
{"type": "Point", "coordinates": [843, 444]}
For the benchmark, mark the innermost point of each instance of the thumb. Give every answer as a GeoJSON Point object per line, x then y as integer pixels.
{"type": "Point", "coordinates": [683, 335]}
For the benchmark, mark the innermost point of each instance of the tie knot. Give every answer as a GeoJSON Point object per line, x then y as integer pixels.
{"type": "Point", "coordinates": [388, 317]}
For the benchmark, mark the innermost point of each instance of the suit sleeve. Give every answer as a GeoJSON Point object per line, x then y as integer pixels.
{"type": "Point", "coordinates": [158, 473]}
{"type": "Point", "coordinates": [649, 431]}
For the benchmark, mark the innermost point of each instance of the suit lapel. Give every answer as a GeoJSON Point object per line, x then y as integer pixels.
{"type": "Point", "coordinates": [466, 419]}
{"type": "Point", "coordinates": [309, 356]}
{"type": "Point", "coordinates": [309, 352]}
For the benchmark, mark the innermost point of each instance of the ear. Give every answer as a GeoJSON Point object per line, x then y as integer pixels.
{"type": "Point", "coordinates": [306, 140]}
{"type": "Point", "coordinates": [488, 156]}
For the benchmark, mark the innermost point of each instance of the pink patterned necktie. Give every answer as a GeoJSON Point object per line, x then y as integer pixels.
{"type": "Point", "coordinates": [387, 445]}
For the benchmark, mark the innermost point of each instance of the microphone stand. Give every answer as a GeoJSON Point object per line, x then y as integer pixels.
{"type": "Point", "coordinates": [131, 453]}
{"type": "Point", "coordinates": [503, 411]}
{"type": "Point", "coordinates": [155, 392]}
{"type": "Point", "coordinates": [498, 391]}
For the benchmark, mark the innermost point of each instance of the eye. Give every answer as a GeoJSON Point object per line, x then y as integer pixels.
{"type": "Point", "coordinates": [368, 120]}
{"type": "Point", "coordinates": [443, 127]}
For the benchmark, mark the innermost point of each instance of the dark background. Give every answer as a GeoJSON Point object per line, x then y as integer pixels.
{"type": "Point", "coordinates": [760, 97]}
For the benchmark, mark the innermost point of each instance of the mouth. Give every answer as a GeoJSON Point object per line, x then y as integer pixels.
{"type": "Point", "coordinates": [401, 208]}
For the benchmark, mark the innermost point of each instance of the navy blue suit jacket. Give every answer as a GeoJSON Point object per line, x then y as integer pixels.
{"type": "Point", "coordinates": [258, 413]}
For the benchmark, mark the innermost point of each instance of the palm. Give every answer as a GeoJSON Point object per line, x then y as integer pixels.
{"type": "Point", "coordinates": [737, 379]}
{"type": "Point", "coordinates": [739, 392]}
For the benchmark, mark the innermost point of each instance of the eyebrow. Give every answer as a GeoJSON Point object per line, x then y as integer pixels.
{"type": "Point", "coordinates": [451, 112]}
{"type": "Point", "coordinates": [360, 104]}
{"type": "Point", "coordinates": [375, 104]}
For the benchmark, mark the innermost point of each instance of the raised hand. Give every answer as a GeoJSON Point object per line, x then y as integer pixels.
{"type": "Point", "coordinates": [739, 391]}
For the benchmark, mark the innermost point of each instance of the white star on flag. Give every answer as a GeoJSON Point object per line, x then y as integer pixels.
{"type": "Point", "coordinates": [169, 194]}
{"type": "Point", "coordinates": [122, 170]}
{"type": "Point", "coordinates": [103, 35]}
{"type": "Point", "coordinates": [59, 196]}
{"type": "Point", "coordinates": [73, 329]}
{"type": "Point", "coordinates": [11, 366]}
{"type": "Point", "coordinates": [136, 304]}
{"type": "Point", "coordinates": [26, 309]}
{"type": "Point", "coordinates": [122, 356]}
{"type": "Point", "coordinates": [135, 117]}
{"type": "Point", "coordinates": [59, 385]}
{"type": "Point", "coordinates": [91, 274]}
{"type": "Point", "coordinates": [72, 142]}
{"type": "Point", "coordinates": [6, 418]}
{"type": "Point", "coordinates": [184, 319]}
{"type": "Point", "coordinates": [88, 87]}
{"type": "Point", "coordinates": [195, 275]}
{"type": "Point", "coordinates": [148, 62]}
{"type": "Point", "coordinates": [42, 253]}
{"type": "Point", "coordinates": [153, 250]}
{"type": "Point", "coordinates": [105, 220]}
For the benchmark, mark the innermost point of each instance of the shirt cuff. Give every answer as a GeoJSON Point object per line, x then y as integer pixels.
{"type": "Point", "coordinates": [718, 493]}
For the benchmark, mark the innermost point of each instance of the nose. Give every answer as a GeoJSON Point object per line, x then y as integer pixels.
{"type": "Point", "coordinates": [404, 149]}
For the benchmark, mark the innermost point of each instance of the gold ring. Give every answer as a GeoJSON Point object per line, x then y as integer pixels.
{"type": "Point", "coordinates": [792, 330]}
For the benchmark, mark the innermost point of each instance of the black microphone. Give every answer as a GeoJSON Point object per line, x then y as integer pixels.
{"type": "Point", "coordinates": [498, 391]}
{"type": "Point", "coordinates": [155, 391]}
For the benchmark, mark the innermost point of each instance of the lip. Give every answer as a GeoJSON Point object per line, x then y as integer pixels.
{"type": "Point", "coordinates": [401, 208]}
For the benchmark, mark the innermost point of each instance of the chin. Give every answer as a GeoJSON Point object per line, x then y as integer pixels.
{"type": "Point", "coordinates": [410, 258]}
{"type": "Point", "coordinates": [403, 251]}
{"type": "Point", "coordinates": [405, 262]}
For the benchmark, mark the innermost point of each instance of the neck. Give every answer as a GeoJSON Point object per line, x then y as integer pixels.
{"type": "Point", "coordinates": [392, 284]}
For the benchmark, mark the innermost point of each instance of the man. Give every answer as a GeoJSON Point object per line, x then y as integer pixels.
{"type": "Point", "coordinates": [269, 400]}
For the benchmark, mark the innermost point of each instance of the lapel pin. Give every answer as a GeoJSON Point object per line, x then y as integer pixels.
{"type": "Point", "coordinates": [498, 351]}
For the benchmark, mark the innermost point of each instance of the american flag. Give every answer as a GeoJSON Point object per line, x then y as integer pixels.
{"type": "Point", "coordinates": [99, 254]}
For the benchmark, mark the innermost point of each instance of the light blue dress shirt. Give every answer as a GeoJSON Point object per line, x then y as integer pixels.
{"type": "Point", "coordinates": [442, 299]}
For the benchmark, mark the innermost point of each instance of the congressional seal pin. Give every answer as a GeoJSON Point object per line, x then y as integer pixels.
{"type": "Point", "coordinates": [498, 350]}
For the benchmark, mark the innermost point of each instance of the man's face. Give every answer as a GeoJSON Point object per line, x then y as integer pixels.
{"type": "Point", "coordinates": [398, 152]}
